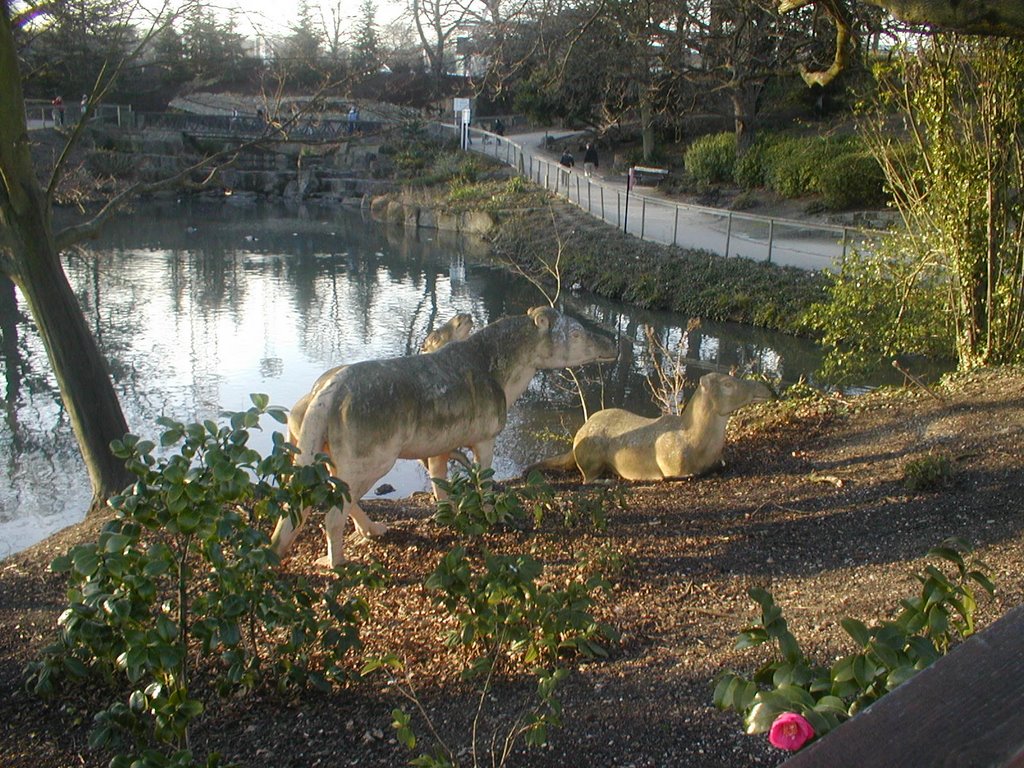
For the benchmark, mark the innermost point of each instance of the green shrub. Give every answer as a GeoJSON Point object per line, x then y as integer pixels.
{"type": "Point", "coordinates": [181, 593]}
{"type": "Point", "coordinates": [852, 180]}
{"type": "Point", "coordinates": [929, 473]}
{"type": "Point", "coordinates": [111, 163]}
{"type": "Point", "coordinates": [791, 166]}
{"type": "Point", "coordinates": [474, 505]}
{"type": "Point", "coordinates": [751, 168]}
{"type": "Point", "coordinates": [794, 167]}
{"type": "Point", "coordinates": [881, 305]}
{"type": "Point", "coordinates": [889, 653]}
{"type": "Point", "coordinates": [710, 159]}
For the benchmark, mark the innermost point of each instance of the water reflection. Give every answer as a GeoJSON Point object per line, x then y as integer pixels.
{"type": "Point", "coordinates": [196, 306]}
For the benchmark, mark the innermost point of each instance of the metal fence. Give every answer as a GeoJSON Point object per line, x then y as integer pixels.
{"type": "Point", "coordinates": [726, 233]}
{"type": "Point", "coordinates": [310, 128]}
{"type": "Point", "coordinates": [42, 114]}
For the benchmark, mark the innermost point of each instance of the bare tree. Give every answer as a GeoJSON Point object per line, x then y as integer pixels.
{"type": "Point", "coordinates": [437, 21]}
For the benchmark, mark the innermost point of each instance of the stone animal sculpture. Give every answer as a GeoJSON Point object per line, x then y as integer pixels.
{"type": "Point", "coordinates": [371, 413]}
{"type": "Point", "coordinates": [669, 446]}
{"type": "Point", "coordinates": [456, 329]}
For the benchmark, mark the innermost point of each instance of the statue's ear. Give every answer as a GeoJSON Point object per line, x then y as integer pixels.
{"type": "Point", "coordinates": [543, 317]}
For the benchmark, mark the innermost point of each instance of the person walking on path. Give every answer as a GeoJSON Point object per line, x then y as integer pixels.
{"type": "Point", "coordinates": [58, 111]}
{"type": "Point", "coordinates": [590, 162]}
{"type": "Point", "coordinates": [567, 161]}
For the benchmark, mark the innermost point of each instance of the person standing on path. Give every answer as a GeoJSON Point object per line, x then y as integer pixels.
{"type": "Point", "coordinates": [590, 159]}
{"type": "Point", "coordinates": [58, 111]}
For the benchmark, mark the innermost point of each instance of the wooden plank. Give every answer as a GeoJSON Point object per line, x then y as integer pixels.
{"type": "Point", "coordinates": [965, 710]}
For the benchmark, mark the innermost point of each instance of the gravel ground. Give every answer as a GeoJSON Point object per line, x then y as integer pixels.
{"type": "Point", "coordinates": [810, 505]}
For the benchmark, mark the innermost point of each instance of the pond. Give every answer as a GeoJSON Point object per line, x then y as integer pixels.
{"type": "Point", "coordinates": [197, 305]}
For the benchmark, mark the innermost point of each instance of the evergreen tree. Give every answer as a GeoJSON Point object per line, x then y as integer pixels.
{"type": "Point", "coordinates": [366, 50]}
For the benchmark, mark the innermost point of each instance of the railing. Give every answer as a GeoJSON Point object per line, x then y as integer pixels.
{"type": "Point", "coordinates": [301, 128]}
{"type": "Point", "coordinates": [42, 114]}
{"type": "Point", "coordinates": [726, 233]}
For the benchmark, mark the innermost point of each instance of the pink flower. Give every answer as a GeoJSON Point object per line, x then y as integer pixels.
{"type": "Point", "coordinates": [790, 731]}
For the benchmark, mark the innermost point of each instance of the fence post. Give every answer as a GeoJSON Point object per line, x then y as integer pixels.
{"type": "Point", "coordinates": [675, 226]}
{"type": "Point", "coordinates": [846, 236]}
{"type": "Point", "coordinates": [603, 215]}
{"type": "Point", "coordinates": [590, 204]}
{"type": "Point", "coordinates": [643, 215]}
{"type": "Point", "coordinates": [547, 182]}
{"type": "Point", "coordinates": [728, 234]}
{"type": "Point", "coordinates": [771, 238]}
{"type": "Point", "coordinates": [618, 209]}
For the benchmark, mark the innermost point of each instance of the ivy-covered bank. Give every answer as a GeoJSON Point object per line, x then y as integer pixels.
{"type": "Point", "coordinates": [543, 235]}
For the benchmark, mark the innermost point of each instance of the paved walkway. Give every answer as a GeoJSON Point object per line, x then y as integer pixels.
{"type": "Point", "coordinates": [651, 216]}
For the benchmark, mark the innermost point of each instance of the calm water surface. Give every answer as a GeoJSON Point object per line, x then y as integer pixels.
{"type": "Point", "coordinates": [198, 305]}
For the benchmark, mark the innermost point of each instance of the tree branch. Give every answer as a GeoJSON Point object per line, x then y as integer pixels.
{"type": "Point", "coordinates": [998, 18]}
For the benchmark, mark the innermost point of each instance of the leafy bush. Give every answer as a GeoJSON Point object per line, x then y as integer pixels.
{"type": "Point", "coordinates": [852, 180]}
{"type": "Point", "coordinates": [792, 166]}
{"type": "Point", "coordinates": [710, 159]}
{"type": "Point", "coordinates": [751, 168]}
{"type": "Point", "coordinates": [474, 504]}
{"type": "Point", "coordinates": [180, 593]}
{"type": "Point", "coordinates": [880, 306]}
{"type": "Point", "coordinates": [929, 473]}
{"type": "Point", "coordinates": [506, 617]}
{"type": "Point", "coordinates": [890, 652]}
{"type": "Point", "coordinates": [111, 163]}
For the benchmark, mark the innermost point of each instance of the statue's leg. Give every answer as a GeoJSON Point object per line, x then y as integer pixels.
{"type": "Point", "coordinates": [367, 528]}
{"type": "Point", "coordinates": [484, 453]}
{"type": "Point", "coordinates": [285, 533]}
{"type": "Point", "coordinates": [334, 527]}
{"type": "Point", "coordinates": [437, 466]}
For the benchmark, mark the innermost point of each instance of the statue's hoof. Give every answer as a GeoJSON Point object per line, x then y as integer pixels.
{"type": "Point", "coordinates": [374, 531]}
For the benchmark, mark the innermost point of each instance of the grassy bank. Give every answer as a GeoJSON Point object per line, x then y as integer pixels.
{"type": "Point", "coordinates": [609, 263]}
{"type": "Point", "coordinates": [535, 231]}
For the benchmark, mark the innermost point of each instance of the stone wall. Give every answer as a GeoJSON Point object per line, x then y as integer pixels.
{"type": "Point", "coordinates": [387, 209]}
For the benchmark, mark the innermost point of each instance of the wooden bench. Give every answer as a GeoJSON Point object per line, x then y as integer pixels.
{"type": "Point", "coordinates": [646, 176]}
{"type": "Point", "coordinates": [966, 710]}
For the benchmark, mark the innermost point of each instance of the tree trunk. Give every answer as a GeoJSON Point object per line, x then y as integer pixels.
{"type": "Point", "coordinates": [81, 371]}
{"type": "Point", "coordinates": [744, 101]}
{"type": "Point", "coordinates": [28, 254]}
{"type": "Point", "coordinates": [647, 128]}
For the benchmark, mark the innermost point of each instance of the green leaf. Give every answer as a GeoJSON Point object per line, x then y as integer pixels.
{"type": "Point", "coordinates": [899, 676]}
{"type": "Point", "coordinates": [857, 630]}
{"type": "Point", "coordinates": [761, 717]}
{"type": "Point", "coordinates": [831, 704]}
{"type": "Point", "coordinates": [76, 667]}
{"type": "Point", "coordinates": [724, 694]}
{"type": "Point", "coordinates": [983, 581]}
{"type": "Point", "coordinates": [86, 561]}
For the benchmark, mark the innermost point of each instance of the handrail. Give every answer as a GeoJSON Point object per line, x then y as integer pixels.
{"type": "Point", "coordinates": [727, 233]}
